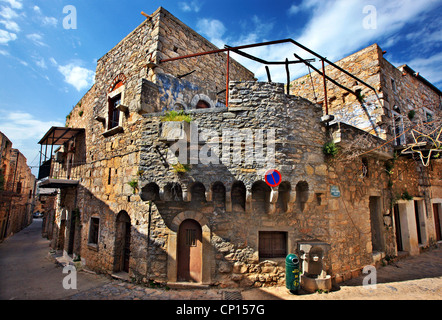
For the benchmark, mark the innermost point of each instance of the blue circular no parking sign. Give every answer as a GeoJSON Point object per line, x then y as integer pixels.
{"type": "Point", "coordinates": [273, 178]}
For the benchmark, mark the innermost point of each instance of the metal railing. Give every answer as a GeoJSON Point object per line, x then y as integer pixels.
{"type": "Point", "coordinates": [61, 170]}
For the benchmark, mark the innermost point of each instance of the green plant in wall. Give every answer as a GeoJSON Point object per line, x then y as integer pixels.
{"type": "Point", "coordinates": [360, 96]}
{"type": "Point", "coordinates": [134, 185]}
{"type": "Point", "coordinates": [406, 196]}
{"type": "Point", "coordinates": [181, 168]}
{"type": "Point", "coordinates": [411, 114]}
{"type": "Point", "coordinates": [80, 113]}
{"type": "Point", "coordinates": [176, 116]}
{"type": "Point", "coordinates": [330, 149]}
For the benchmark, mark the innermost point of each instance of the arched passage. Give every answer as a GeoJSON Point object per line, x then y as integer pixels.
{"type": "Point", "coordinates": [122, 242]}
{"type": "Point", "coordinates": [189, 251]}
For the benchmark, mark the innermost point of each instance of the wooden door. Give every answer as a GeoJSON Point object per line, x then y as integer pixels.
{"type": "Point", "coordinates": [189, 251]}
{"type": "Point", "coordinates": [126, 250]}
{"type": "Point", "coordinates": [437, 221]}
{"type": "Point", "coordinates": [397, 224]}
{"type": "Point", "coordinates": [61, 235]}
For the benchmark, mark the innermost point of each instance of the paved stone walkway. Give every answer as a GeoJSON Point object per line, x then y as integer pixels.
{"type": "Point", "coordinates": [415, 278]}
{"type": "Point", "coordinates": [28, 273]}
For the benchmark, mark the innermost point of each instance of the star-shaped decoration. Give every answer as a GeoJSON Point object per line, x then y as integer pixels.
{"type": "Point", "coordinates": [436, 144]}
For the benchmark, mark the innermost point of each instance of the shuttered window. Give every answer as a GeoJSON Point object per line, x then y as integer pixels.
{"type": "Point", "coordinates": [272, 244]}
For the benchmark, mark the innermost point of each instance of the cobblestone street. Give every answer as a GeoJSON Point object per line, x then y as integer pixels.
{"type": "Point", "coordinates": [28, 273]}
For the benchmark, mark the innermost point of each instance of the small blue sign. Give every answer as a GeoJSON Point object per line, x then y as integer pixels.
{"type": "Point", "coordinates": [335, 192]}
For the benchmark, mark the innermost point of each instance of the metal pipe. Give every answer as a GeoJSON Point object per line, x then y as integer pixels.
{"type": "Point", "coordinates": [268, 74]}
{"type": "Point", "coordinates": [327, 77]}
{"type": "Point", "coordinates": [272, 43]}
{"type": "Point", "coordinates": [288, 75]}
{"type": "Point", "coordinates": [325, 88]}
{"type": "Point", "coordinates": [227, 78]}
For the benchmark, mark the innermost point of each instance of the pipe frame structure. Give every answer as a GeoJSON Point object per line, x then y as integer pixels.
{"type": "Point", "coordinates": [260, 44]}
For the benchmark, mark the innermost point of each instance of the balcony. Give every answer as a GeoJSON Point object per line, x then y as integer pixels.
{"type": "Point", "coordinates": [58, 175]}
{"type": "Point", "coordinates": [62, 168]}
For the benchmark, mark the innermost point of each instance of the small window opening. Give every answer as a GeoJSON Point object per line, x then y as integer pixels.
{"type": "Point", "coordinates": [202, 105]}
{"type": "Point", "coordinates": [114, 112]}
{"type": "Point", "coordinates": [93, 230]}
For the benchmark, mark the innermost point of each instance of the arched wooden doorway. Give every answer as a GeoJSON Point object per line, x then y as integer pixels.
{"type": "Point", "coordinates": [122, 242]}
{"type": "Point", "coordinates": [189, 251]}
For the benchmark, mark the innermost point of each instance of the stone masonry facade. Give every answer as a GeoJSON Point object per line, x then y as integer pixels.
{"type": "Point", "coordinates": [135, 194]}
{"type": "Point", "coordinates": [17, 190]}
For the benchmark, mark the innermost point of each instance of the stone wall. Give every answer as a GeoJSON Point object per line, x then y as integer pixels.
{"type": "Point", "coordinates": [345, 106]}
{"type": "Point", "coordinates": [398, 89]}
{"type": "Point", "coordinates": [234, 239]}
{"type": "Point", "coordinates": [17, 192]}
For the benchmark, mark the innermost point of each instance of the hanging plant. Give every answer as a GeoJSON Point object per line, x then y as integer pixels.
{"type": "Point", "coordinates": [330, 149]}
{"type": "Point", "coordinates": [406, 196]}
{"type": "Point", "coordinates": [134, 184]}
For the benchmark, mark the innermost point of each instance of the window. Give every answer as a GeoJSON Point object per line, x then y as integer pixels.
{"type": "Point", "coordinates": [202, 105]}
{"type": "Point", "coordinates": [114, 112]}
{"type": "Point", "coordinates": [18, 187]}
{"type": "Point", "coordinates": [428, 115]}
{"type": "Point", "coordinates": [272, 244]}
{"type": "Point", "coordinates": [364, 168]}
{"type": "Point", "coordinates": [398, 129]}
{"type": "Point", "coordinates": [393, 85]}
{"type": "Point", "coordinates": [93, 230]}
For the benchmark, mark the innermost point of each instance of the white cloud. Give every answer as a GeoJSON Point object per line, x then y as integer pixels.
{"type": "Point", "coordinates": [10, 25]}
{"type": "Point", "coordinates": [37, 39]}
{"type": "Point", "coordinates": [192, 6]}
{"type": "Point", "coordinates": [6, 37]}
{"type": "Point", "coordinates": [213, 29]}
{"type": "Point", "coordinates": [37, 9]}
{"type": "Point", "coordinates": [79, 77]}
{"type": "Point", "coordinates": [49, 21]}
{"type": "Point", "coordinates": [24, 130]}
{"type": "Point", "coordinates": [8, 13]}
{"type": "Point", "coordinates": [53, 61]}
{"type": "Point", "coordinates": [14, 3]}
{"type": "Point", "coordinates": [41, 63]}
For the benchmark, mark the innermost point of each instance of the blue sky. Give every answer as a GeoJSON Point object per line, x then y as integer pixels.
{"type": "Point", "coordinates": [45, 68]}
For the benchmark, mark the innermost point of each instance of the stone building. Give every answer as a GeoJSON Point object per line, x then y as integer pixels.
{"type": "Point", "coordinates": [17, 185]}
{"type": "Point", "coordinates": [403, 107]}
{"type": "Point", "coordinates": [186, 201]}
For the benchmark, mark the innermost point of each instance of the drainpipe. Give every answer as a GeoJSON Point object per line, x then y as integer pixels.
{"type": "Point", "coordinates": [148, 224]}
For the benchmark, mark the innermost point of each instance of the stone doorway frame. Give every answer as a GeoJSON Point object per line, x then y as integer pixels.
{"type": "Point", "coordinates": [172, 246]}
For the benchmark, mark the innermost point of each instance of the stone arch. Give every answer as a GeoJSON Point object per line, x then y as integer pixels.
{"type": "Point", "coordinates": [218, 192]}
{"type": "Point", "coordinates": [118, 81]}
{"type": "Point", "coordinates": [284, 196]}
{"type": "Point", "coordinates": [122, 242]}
{"type": "Point", "coordinates": [198, 192]}
{"type": "Point", "coordinates": [150, 192]}
{"type": "Point", "coordinates": [238, 195]}
{"type": "Point", "coordinates": [173, 192]}
{"type": "Point", "coordinates": [201, 98]}
{"type": "Point", "coordinates": [260, 197]}
{"type": "Point", "coordinates": [172, 245]}
{"type": "Point", "coordinates": [302, 194]}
